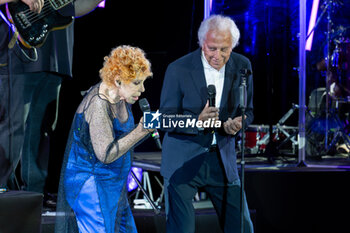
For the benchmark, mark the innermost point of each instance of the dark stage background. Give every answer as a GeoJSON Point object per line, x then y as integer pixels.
{"type": "Point", "coordinates": [167, 30]}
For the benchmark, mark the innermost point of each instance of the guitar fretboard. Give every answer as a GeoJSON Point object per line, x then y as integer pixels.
{"type": "Point", "coordinates": [57, 4]}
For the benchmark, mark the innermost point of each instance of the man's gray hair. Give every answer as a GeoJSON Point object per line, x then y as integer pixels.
{"type": "Point", "coordinates": [220, 23]}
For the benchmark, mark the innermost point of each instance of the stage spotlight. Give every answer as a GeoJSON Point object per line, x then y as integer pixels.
{"type": "Point", "coordinates": [131, 182]}
{"type": "Point", "coordinates": [102, 4]}
{"type": "Point", "coordinates": [312, 25]}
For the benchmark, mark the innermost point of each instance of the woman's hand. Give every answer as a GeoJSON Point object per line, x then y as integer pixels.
{"type": "Point", "coordinates": [142, 129]}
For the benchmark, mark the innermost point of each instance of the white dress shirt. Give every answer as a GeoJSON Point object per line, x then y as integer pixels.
{"type": "Point", "coordinates": [216, 78]}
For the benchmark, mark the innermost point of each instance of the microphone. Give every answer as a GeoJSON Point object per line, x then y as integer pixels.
{"type": "Point", "coordinates": [243, 88]}
{"type": "Point", "coordinates": [243, 95]}
{"type": "Point", "coordinates": [245, 72]}
{"type": "Point", "coordinates": [144, 106]}
{"type": "Point", "coordinates": [211, 95]}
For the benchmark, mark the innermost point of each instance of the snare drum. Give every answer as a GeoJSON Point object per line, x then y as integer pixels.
{"type": "Point", "coordinates": [258, 137]}
{"type": "Point", "coordinates": [253, 134]}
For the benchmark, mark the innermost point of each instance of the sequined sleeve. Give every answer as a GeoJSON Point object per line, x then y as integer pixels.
{"type": "Point", "coordinates": [102, 136]}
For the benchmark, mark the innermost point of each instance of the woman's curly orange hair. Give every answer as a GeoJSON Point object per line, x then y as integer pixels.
{"type": "Point", "coordinates": [125, 63]}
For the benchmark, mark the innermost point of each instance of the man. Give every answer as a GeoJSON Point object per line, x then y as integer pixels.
{"type": "Point", "coordinates": [30, 81]}
{"type": "Point", "coordinates": [196, 158]}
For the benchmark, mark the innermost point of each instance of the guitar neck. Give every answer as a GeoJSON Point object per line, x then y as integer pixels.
{"type": "Point", "coordinates": [58, 4]}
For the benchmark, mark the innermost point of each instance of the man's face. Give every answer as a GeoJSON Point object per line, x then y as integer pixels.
{"type": "Point", "coordinates": [217, 48]}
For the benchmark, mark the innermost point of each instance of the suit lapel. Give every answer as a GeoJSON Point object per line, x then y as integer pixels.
{"type": "Point", "coordinates": [198, 77]}
{"type": "Point", "coordinates": [229, 76]}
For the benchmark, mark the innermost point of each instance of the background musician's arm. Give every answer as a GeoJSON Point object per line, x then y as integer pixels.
{"type": "Point", "coordinates": [83, 7]}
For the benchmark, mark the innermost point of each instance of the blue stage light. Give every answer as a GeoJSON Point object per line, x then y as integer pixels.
{"type": "Point", "coordinates": [131, 182]}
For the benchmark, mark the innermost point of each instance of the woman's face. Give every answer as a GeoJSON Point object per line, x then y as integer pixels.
{"type": "Point", "coordinates": [130, 92]}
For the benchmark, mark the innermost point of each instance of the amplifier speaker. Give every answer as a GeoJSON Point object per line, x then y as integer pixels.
{"type": "Point", "coordinates": [20, 212]}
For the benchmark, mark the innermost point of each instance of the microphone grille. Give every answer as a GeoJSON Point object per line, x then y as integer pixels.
{"type": "Point", "coordinates": [245, 72]}
{"type": "Point", "coordinates": [211, 90]}
{"type": "Point", "coordinates": [144, 105]}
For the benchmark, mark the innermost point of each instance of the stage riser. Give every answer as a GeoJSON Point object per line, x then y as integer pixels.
{"type": "Point", "coordinates": [300, 201]}
{"type": "Point", "coordinates": [293, 200]}
{"type": "Point", "coordinates": [147, 222]}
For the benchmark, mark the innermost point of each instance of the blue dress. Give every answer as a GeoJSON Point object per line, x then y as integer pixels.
{"type": "Point", "coordinates": [95, 189]}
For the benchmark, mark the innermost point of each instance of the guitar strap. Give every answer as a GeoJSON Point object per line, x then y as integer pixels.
{"type": "Point", "coordinates": [4, 18]}
{"type": "Point", "coordinates": [13, 39]}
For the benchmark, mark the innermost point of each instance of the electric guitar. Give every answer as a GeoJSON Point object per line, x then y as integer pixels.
{"type": "Point", "coordinates": [33, 28]}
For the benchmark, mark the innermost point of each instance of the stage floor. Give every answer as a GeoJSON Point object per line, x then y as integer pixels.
{"type": "Point", "coordinates": [152, 160]}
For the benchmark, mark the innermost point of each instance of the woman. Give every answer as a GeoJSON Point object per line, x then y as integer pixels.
{"type": "Point", "coordinates": [98, 154]}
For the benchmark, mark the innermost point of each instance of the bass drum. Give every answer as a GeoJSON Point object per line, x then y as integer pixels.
{"type": "Point", "coordinates": [319, 124]}
{"type": "Point", "coordinates": [317, 102]}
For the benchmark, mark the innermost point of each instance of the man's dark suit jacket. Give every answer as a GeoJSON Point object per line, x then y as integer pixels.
{"type": "Point", "coordinates": [185, 92]}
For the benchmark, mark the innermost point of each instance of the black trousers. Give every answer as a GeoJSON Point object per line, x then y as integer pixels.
{"type": "Point", "coordinates": [24, 123]}
{"type": "Point", "coordinates": [225, 197]}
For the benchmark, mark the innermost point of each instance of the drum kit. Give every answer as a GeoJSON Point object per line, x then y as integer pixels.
{"type": "Point", "coordinates": [328, 122]}
{"type": "Point", "coordinates": [328, 111]}
{"type": "Point", "coordinates": [328, 125]}
{"type": "Point", "coordinates": [258, 137]}
{"type": "Point", "coordinates": [283, 137]}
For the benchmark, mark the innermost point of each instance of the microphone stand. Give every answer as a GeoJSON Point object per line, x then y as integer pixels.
{"type": "Point", "coordinates": [156, 210]}
{"type": "Point", "coordinates": [243, 100]}
{"type": "Point", "coordinates": [329, 64]}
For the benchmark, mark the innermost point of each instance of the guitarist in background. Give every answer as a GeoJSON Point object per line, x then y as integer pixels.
{"type": "Point", "coordinates": [30, 81]}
